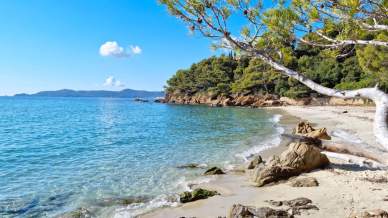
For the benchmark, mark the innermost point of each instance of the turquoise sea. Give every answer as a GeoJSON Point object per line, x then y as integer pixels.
{"type": "Point", "coordinates": [59, 154]}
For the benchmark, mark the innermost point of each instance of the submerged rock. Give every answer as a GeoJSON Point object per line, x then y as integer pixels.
{"type": "Point", "coordinates": [78, 213]}
{"type": "Point", "coordinates": [190, 166]}
{"type": "Point", "coordinates": [305, 182]}
{"type": "Point", "coordinates": [255, 162]}
{"type": "Point", "coordinates": [197, 194]}
{"type": "Point", "coordinates": [214, 171]}
{"type": "Point", "coordinates": [240, 211]}
{"type": "Point", "coordinates": [299, 158]}
{"type": "Point", "coordinates": [108, 202]}
{"type": "Point", "coordinates": [160, 100]}
{"type": "Point", "coordinates": [141, 100]}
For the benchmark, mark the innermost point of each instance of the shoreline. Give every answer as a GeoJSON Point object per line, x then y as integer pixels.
{"type": "Point", "coordinates": [356, 195]}
{"type": "Point", "coordinates": [286, 121]}
{"type": "Point", "coordinates": [271, 144]}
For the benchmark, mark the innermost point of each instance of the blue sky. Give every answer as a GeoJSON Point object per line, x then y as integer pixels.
{"type": "Point", "coordinates": [55, 44]}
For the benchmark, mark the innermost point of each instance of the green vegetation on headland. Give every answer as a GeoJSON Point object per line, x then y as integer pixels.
{"type": "Point", "coordinates": [230, 74]}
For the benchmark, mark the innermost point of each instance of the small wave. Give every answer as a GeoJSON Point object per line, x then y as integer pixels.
{"type": "Point", "coordinates": [160, 201]}
{"type": "Point", "coordinates": [135, 210]}
{"type": "Point", "coordinates": [353, 139]}
{"type": "Point", "coordinates": [270, 141]}
{"type": "Point", "coordinates": [276, 118]}
{"type": "Point", "coordinates": [346, 136]}
{"type": "Point", "coordinates": [187, 185]}
{"type": "Point", "coordinates": [228, 166]}
{"type": "Point", "coordinates": [360, 161]}
{"type": "Point", "coordinates": [203, 165]}
{"type": "Point", "coordinates": [265, 145]}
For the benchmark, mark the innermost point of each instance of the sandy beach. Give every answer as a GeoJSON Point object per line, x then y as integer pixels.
{"type": "Point", "coordinates": [349, 185]}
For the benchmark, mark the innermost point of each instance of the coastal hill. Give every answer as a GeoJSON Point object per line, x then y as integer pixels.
{"type": "Point", "coordinates": [125, 93]}
{"type": "Point", "coordinates": [228, 80]}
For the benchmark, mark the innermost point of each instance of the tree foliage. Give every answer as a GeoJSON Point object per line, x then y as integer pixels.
{"type": "Point", "coordinates": [227, 75]}
{"type": "Point", "coordinates": [338, 44]}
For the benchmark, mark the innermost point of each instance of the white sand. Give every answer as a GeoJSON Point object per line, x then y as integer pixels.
{"type": "Point", "coordinates": [342, 190]}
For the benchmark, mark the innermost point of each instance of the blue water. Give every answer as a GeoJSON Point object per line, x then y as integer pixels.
{"type": "Point", "coordinates": [58, 154]}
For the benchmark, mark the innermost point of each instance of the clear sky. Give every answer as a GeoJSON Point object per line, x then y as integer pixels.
{"type": "Point", "coordinates": [92, 44]}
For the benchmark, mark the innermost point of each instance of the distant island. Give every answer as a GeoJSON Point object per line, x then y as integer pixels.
{"type": "Point", "coordinates": [125, 93]}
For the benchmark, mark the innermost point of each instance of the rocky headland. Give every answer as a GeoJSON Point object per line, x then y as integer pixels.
{"type": "Point", "coordinates": [267, 100]}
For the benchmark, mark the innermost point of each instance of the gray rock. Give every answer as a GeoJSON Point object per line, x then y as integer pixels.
{"type": "Point", "coordinates": [214, 171]}
{"type": "Point", "coordinates": [240, 211]}
{"type": "Point", "coordinates": [371, 214]}
{"type": "Point", "coordinates": [305, 182]}
{"type": "Point", "coordinates": [255, 162]}
{"type": "Point", "coordinates": [195, 195]}
{"type": "Point", "coordinates": [296, 205]}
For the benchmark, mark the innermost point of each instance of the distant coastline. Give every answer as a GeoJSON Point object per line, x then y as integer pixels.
{"type": "Point", "coordinates": [125, 93]}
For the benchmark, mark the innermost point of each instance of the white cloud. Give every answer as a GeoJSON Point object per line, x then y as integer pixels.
{"type": "Point", "coordinates": [136, 49]}
{"type": "Point", "coordinates": [112, 48]}
{"type": "Point", "coordinates": [113, 82]}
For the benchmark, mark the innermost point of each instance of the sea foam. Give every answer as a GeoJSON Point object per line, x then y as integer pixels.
{"type": "Point", "coordinates": [346, 136]}
{"type": "Point", "coordinates": [267, 143]}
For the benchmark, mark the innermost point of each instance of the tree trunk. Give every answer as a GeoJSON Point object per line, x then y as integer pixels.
{"type": "Point", "coordinates": [380, 98]}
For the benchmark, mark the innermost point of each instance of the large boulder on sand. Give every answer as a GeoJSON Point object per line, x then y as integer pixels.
{"type": "Point", "coordinates": [300, 157]}
{"type": "Point", "coordinates": [304, 157]}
